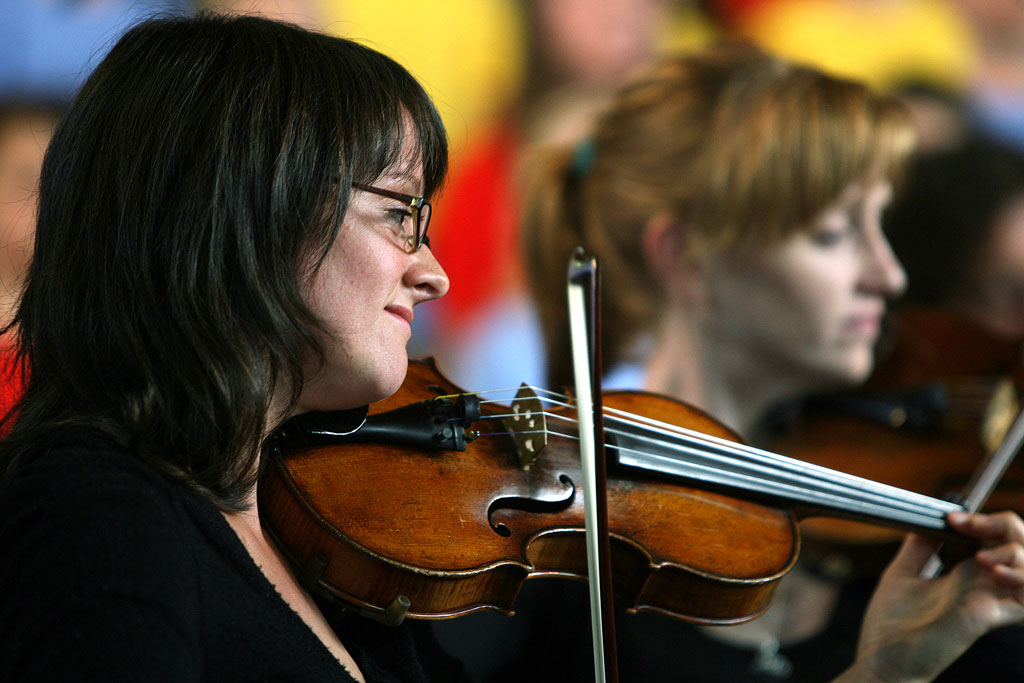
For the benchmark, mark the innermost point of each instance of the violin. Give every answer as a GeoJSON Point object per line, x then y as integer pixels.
{"type": "Point", "coordinates": [941, 400]}
{"type": "Point", "coordinates": [436, 503]}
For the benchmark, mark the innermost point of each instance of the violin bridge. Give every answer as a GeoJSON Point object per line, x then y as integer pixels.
{"type": "Point", "coordinates": [527, 425]}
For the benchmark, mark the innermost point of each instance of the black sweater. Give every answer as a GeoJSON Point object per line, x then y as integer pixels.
{"type": "Point", "coordinates": [110, 572]}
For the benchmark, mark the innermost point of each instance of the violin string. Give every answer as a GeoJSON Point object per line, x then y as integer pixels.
{"type": "Point", "coordinates": [540, 391]}
{"type": "Point", "coordinates": [796, 472]}
{"type": "Point", "coordinates": [818, 476]}
{"type": "Point", "coordinates": [693, 468]}
{"type": "Point", "coordinates": [973, 411]}
{"type": "Point", "coordinates": [794, 475]}
{"type": "Point", "coordinates": [809, 478]}
{"type": "Point", "coordinates": [658, 427]}
{"type": "Point", "coordinates": [883, 509]}
{"type": "Point", "coordinates": [690, 437]}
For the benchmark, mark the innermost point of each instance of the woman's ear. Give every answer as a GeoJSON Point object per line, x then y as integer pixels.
{"type": "Point", "coordinates": [671, 253]}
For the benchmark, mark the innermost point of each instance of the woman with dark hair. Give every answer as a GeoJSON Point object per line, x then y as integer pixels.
{"type": "Point", "coordinates": [231, 232]}
{"type": "Point", "coordinates": [219, 246]}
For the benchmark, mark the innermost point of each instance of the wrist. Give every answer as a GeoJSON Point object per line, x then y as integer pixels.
{"type": "Point", "coordinates": [864, 670]}
{"type": "Point", "coordinates": [860, 672]}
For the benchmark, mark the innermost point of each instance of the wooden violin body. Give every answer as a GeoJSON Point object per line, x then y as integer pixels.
{"type": "Point", "coordinates": [402, 531]}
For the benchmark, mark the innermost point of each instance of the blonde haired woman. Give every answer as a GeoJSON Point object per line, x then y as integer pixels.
{"type": "Point", "coordinates": [734, 201]}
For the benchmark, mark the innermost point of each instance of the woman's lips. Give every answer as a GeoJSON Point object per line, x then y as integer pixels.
{"type": "Point", "coordinates": [402, 312]}
{"type": "Point", "coordinates": [869, 324]}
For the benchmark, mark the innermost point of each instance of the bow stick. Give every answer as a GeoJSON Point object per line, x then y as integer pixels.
{"type": "Point", "coordinates": [584, 329]}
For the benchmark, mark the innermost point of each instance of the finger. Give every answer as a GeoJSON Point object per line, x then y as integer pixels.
{"type": "Point", "coordinates": [1001, 526]}
{"type": "Point", "coordinates": [1009, 554]}
{"type": "Point", "coordinates": [912, 555]}
{"type": "Point", "coordinates": [1009, 577]}
{"type": "Point", "coordinates": [1005, 564]}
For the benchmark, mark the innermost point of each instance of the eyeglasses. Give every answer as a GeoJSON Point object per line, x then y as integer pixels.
{"type": "Point", "coordinates": [419, 210]}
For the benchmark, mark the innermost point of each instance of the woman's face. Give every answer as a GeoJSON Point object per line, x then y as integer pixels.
{"type": "Point", "coordinates": [808, 310]}
{"type": "Point", "coordinates": [365, 292]}
{"type": "Point", "coordinates": [23, 142]}
{"type": "Point", "coordinates": [994, 292]}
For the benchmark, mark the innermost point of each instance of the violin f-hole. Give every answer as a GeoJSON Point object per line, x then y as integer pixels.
{"type": "Point", "coordinates": [530, 505]}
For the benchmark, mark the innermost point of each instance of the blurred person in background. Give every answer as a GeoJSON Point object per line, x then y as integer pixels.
{"type": "Point", "coordinates": [995, 91]}
{"type": "Point", "coordinates": [576, 53]}
{"type": "Point", "coordinates": [46, 51]}
{"type": "Point", "coordinates": [26, 125]}
{"type": "Point", "coordinates": [734, 202]}
{"type": "Point", "coordinates": [306, 13]}
{"type": "Point", "coordinates": [971, 50]}
{"type": "Point", "coordinates": [958, 228]}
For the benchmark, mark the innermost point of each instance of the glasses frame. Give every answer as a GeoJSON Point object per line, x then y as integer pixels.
{"type": "Point", "coordinates": [421, 217]}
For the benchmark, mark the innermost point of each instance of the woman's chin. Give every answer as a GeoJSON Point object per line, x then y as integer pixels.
{"type": "Point", "coordinates": [344, 394]}
{"type": "Point", "coordinates": [842, 374]}
{"type": "Point", "coordinates": [386, 382]}
{"type": "Point", "coordinates": [853, 373]}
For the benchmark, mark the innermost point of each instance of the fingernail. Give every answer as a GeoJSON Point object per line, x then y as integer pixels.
{"type": "Point", "coordinates": [957, 517]}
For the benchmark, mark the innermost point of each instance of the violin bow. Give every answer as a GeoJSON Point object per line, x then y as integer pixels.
{"type": "Point", "coordinates": [583, 292]}
{"type": "Point", "coordinates": [983, 482]}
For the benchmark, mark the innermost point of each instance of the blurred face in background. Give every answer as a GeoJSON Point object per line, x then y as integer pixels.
{"type": "Point", "coordinates": [997, 23]}
{"type": "Point", "coordinates": [994, 292]}
{"type": "Point", "coordinates": [809, 309]}
{"type": "Point", "coordinates": [23, 141]}
{"type": "Point", "coordinates": [598, 42]}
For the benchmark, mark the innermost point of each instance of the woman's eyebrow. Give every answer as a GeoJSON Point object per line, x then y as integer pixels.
{"type": "Point", "coordinates": [409, 180]}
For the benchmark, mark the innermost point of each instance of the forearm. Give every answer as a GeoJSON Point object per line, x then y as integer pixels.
{"type": "Point", "coordinates": [864, 671]}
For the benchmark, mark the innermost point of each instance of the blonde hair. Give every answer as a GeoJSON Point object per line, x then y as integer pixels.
{"type": "Point", "coordinates": [740, 147]}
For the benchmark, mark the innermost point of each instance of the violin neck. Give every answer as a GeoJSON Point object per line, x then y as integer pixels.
{"type": "Point", "coordinates": [678, 453]}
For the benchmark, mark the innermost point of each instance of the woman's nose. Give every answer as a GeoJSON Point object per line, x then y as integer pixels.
{"type": "Point", "coordinates": [883, 273]}
{"type": "Point", "coordinates": [426, 276]}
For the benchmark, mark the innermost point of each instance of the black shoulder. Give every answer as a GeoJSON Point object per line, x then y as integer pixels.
{"type": "Point", "coordinates": [97, 563]}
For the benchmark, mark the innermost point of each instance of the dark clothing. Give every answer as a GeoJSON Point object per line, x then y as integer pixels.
{"type": "Point", "coordinates": [110, 572]}
{"type": "Point", "coordinates": [551, 633]}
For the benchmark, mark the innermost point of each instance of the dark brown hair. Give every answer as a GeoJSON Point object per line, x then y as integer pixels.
{"type": "Point", "coordinates": [204, 164]}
